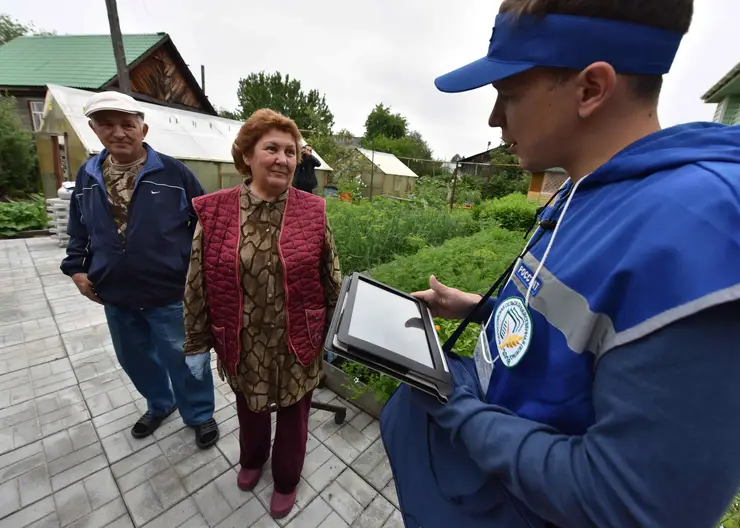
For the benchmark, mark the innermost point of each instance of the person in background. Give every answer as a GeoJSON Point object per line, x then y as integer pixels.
{"type": "Point", "coordinates": [131, 225]}
{"type": "Point", "coordinates": [305, 175]}
{"type": "Point", "coordinates": [602, 392]}
{"type": "Point", "coordinates": [263, 282]}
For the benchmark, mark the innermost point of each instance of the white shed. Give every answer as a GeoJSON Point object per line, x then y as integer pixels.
{"type": "Point", "coordinates": [386, 173]}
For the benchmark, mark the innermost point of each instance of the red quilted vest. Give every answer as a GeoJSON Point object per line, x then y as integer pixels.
{"type": "Point", "coordinates": [302, 241]}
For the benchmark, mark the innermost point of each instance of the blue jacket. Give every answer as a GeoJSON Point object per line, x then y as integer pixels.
{"type": "Point", "coordinates": [150, 268]}
{"type": "Point", "coordinates": [620, 411]}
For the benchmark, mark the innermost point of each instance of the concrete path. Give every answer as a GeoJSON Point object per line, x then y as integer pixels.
{"type": "Point", "coordinates": [66, 407]}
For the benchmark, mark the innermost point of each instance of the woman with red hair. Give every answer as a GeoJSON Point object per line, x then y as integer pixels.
{"type": "Point", "coordinates": [264, 278]}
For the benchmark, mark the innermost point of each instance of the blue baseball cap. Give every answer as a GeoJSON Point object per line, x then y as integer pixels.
{"type": "Point", "coordinates": [522, 42]}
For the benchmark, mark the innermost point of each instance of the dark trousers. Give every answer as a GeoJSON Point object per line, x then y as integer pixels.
{"type": "Point", "coordinates": [289, 449]}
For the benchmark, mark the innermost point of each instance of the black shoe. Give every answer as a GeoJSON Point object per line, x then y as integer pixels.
{"type": "Point", "coordinates": [149, 423]}
{"type": "Point", "coordinates": [206, 434]}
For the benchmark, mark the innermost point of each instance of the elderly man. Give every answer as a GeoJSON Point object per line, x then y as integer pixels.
{"type": "Point", "coordinates": [131, 224]}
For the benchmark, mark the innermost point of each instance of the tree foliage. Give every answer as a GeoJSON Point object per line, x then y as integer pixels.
{"type": "Point", "coordinates": [285, 95]}
{"type": "Point", "coordinates": [10, 29]}
{"type": "Point", "coordinates": [381, 122]}
{"type": "Point", "coordinates": [505, 176]}
{"type": "Point", "coordinates": [386, 131]}
{"type": "Point", "coordinates": [229, 114]}
{"type": "Point", "coordinates": [17, 152]}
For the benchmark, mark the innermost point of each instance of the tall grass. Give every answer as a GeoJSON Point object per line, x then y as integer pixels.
{"type": "Point", "coordinates": [370, 233]}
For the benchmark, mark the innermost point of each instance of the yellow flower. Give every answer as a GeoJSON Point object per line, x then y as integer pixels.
{"type": "Point", "coordinates": [438, 328]}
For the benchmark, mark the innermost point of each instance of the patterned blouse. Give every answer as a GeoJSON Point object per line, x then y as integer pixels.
{"type": "Point", "coordinates": [268, 373]}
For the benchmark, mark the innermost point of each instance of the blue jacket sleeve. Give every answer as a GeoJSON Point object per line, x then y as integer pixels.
{"type": "Point", "coordinates": [663, 450]}
{"type": "Point", "coordinates": [78, 247]}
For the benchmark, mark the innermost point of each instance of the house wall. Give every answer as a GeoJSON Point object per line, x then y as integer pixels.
{"type": "Point", "coordinates": [357, 164]}
{"type": "Point", "coordinates": [56, 123]}
{"type": "Point", "coordinates": [22, 107]}
{"type": "Point", "coordinates": [324, 178]}
{"type": "Point", "coordinates": [728, 111]}
{"type": "Point", "coordinates": [158, 76]}
{"type": "Point", "coordinates": [214, 176]}
{"type": "Point", "coordinates": [544, 184]}
{"type": "Point", "coordinates": [535, 186]}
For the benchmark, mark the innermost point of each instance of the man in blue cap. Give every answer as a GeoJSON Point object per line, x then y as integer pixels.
{"type": "Point", "coordinates": [603, 391]}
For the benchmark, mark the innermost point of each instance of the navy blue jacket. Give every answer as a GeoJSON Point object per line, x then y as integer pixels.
{"type": "Point", "coordinates": [148, 269]}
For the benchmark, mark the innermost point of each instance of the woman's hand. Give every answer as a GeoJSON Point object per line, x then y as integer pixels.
{"type": "Point", "coordinates": [446, 302]}
{"type": "Point", "coordinates": [197, 363]}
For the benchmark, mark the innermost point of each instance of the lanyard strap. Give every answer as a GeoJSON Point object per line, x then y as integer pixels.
{"type": "Point", "coordinates": [474, 313]}
{"type": "Point", "coordinates": [447, 347]}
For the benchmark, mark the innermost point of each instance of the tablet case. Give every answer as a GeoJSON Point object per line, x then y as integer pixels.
{"type": "Point", "coordinates": [434, 381]}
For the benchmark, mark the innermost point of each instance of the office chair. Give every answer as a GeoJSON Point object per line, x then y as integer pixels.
{"type": "Point", "coordinates": [340, 413]}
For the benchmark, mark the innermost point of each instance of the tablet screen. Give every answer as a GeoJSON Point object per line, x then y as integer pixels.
{"type": "Point", "coordinates": [389, 321]}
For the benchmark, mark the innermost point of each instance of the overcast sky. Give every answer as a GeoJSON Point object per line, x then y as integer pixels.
{"type": "Point", "coordinates": [363, 53]}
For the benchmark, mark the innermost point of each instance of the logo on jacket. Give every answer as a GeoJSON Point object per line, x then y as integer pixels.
{"type": "Point", "coordinates": [525, 275]}
{"type": "Point", "coordinates": [513, 327]}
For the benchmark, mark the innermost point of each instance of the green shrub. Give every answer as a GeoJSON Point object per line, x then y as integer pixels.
{"type": "Point", "coordinates": [513, 212]}
{"type": "Point", "coordinates": [16, 217]}
{"type": "Point", "coordinates": [435, 190]}
{"type": "Point", "coordinates": [371, 232]}
{"type": "Point", "coordinates": [731, 519]}
{"type": "Point", "coordinates": [18, 169]}
{"type": "Point", "coordinates": [470, 263]}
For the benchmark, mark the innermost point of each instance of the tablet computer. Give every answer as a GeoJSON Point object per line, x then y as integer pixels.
{"type": "Point", "coordinates": [391, 332]}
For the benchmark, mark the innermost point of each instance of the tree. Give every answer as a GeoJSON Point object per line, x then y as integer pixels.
{"type": "Point", "coordinates": [285, 95]}
{"type": "Point", "coordinates": [504, 176]}
{"type": "Point", "coordinates": [326, 146]}
{"type": "Point", "coordinates": [17, 152]}
{"type": "Point", "coordinates": [10, 29]}
{"type": "Point", "coordinates": [456, 158]}
{"type": "Point", "coordinates": [381, 122]}
{"type": "Point", "coordinates": [228, 114]}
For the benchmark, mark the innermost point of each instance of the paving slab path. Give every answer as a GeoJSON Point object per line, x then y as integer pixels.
{"type": "Point", "coordinates": [67, 458]}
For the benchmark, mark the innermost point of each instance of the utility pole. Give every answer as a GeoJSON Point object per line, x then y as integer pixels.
{"type": "Point", "coordinates": [115, 33]}
{"type": "Point", "coordinates": [372, 169]}
{"type": "Point", "coordinates": [454, 185]}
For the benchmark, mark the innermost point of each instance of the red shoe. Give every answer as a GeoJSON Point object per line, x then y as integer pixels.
{"type": "Point", "coordinates": [281, 505]}
{"type": "Point", "coordinates": [248, 478]}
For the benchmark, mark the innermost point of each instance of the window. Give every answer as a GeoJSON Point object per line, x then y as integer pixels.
{"type": "Point", "coordinates": [37, 113]}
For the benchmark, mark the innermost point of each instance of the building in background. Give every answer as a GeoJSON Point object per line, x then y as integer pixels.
{"type": "Point", "coordinates": [546, 183]}
{"type": "Point", "coordinates": [201, 141]}
{"type": "Point", "coordinates": [382, 172]}
{"type": "Point", "coordinates": [158, 72]}
{"type": "Point", "coordinates": [726, 95]}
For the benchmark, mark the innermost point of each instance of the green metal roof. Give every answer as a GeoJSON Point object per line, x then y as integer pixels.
{"type": "Point", "coordinates": [78, 61]}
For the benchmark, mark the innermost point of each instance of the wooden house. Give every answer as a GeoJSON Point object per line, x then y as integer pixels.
{"type": "Point", "coordinates": [726, 95]}
{"type": "Point", "coordinates": [158, 72]}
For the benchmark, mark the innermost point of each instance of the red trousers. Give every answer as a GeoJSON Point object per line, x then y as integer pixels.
{"type": "Point", "coordinates": [289, 449]}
